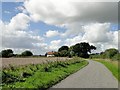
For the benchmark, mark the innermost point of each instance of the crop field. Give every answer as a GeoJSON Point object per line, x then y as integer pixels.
{"type": "Point", "coordinates": [6, 62]}
{"type": "Point", "coordinates": [37, 76]}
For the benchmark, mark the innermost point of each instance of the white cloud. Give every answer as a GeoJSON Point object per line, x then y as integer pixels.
{"type": "Point", "coordinates": [21, 8]}
{"type": "Point", "coordinates": [55, 44]}
{"type": "Point", "coordinates": [72, 13]}
{"type": "Point", "coordinates": [73, 29]}
{"type": "Point", "coordinates": [15, 35]}
{"type": "Point", "coordinates": [98, 34]}
{"type": "Point", "coordinates": [61, 12]}
{"type": "Point", "coordinates": [84, 21]}
{"type": "Point", "coordinates": [73, 41]}
{"type": "Point", "coordinates": [52, 33]}
{"type": "Point", "coordinates": [19, 22]}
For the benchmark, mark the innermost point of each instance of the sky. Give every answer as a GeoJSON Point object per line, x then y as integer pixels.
{"type": "Point", "coordinates": [46, 25]}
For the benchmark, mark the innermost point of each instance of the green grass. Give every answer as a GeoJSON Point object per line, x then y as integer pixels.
{"type": "Point", "coordinates": [112, 67]}
{"type": "Point", "coordinates": [40, 76]}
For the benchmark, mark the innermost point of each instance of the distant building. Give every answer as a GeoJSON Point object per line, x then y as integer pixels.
{"type": "Point", "coordinates": [50, 54]}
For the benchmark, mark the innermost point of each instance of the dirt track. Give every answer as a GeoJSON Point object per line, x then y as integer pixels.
{"type": "Point", "coordinates": [6, 62]}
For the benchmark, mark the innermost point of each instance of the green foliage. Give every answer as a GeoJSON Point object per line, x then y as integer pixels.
{"type": "Point", "coordinates": [40, 75]}
{"type": "Point", "coordinates": [57, 54]}
{"type": "Point", "coordinates": [27, 53]}
{"type": "Point", "coordinates": [108, 54]}
{"type": "Point", "coordinates": [82, 49]}
{"type": "Point", "coordinates": [116, 57]}
{"type": "Point", "coordinates": [63, 53]}
{"type": "Point", "coordinates": [92, 47]}
{"type": "Point", "coordinates": [79, 49]}
{"type": "Point", "coordinates": [7, 53]}
{"type": "Point", "coordinates": [63, 48]}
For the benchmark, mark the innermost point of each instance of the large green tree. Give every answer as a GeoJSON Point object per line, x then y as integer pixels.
{"type": "Point", "coordinates": [109, 53]}
{"type": "Point", "coordinates": [82, 49]}
{"type": "Point", "coordinates": [63, 48]}
{"type": "Point", "coordinates": [7, 53]}
{"type": "Point", "coordinates": [64, 53]}
{"type": "Point", "coordinates": [27, 53]}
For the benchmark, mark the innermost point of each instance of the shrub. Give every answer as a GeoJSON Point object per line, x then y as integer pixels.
{"type": "Point", "coordinates": [27, 53]}
{"type": "Point", "coordinates": [64, 53]}
{"type": "Point", "coordinates": [109, 53]}
{"type": "Point", "coordinates": [7, 53]}
{"type": "Point", "coordinates": [116, 57]}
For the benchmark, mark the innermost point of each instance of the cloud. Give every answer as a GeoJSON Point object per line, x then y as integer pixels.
{"type": "Point", "coordinates": [73, 41]}
{"type": "Point", "coordinates": [59, 12]}
{"type": "Point", "coordinates": [84, 21]}
{"type": "Point", "coordinates": [98, 34]}
{"type": "Point", "coordinates": [72, 14]}
{"type": "Point", "coordinates": [73, 29]}
{"type": "Point", "coordinates": [21, 8]}
{"type": "Point", "coordinates": [52, 33]}
{"type": "Point", "coordinates": [20, 39]}
{"type": "Point", "coordinates": [19, 22]}
{"type": "Point", "coordinates": [55, 44]}
{"type": "Point", "coordinates": [15, 35]}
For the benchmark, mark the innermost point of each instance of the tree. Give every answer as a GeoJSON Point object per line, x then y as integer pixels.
{"type": "Point", "coordinates": [116, 57]}
{"type": "Point", "coordinates": [45, 54]}
{"type": "Point", "coordinates": [7, 53]}
{"type": "Point", "coordinates": [82, 49]}
{"type": "Point", "coordinates": [71, 53]}
{"type": "Point", "coordinates": [57, 54]}
{"type": "Point", "coordinates": [27, 53]}
{"type": "Point", "coordinates": [63, 53]}
{"type": "Point", "coordinates": [92, 47]}
{"type": "Point", "coordinates": [109, 53]}
{"type": "Point", "coordinates": [63, 48]}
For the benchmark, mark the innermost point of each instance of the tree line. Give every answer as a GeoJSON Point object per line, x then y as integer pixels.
{"type": "Point", "coordinates": [111, 53]}
{"type": "Point", "coordinates": [80, 49]}
{"type": "Point", "coordinates": [9, 53]}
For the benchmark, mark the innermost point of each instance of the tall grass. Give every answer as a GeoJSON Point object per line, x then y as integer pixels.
{"type": "Point", "coordinates": [40, 75]}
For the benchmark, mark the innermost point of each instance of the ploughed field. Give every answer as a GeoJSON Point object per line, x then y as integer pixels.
{"type": "Point", "coordinates": [6, 62]}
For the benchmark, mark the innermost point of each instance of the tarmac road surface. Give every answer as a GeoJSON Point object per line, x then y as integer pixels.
{"type": "Point", "coordinates": [94, 75]}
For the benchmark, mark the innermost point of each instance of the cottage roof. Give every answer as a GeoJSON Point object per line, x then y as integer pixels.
{"type": "Point", "coordinates": [50, 53]}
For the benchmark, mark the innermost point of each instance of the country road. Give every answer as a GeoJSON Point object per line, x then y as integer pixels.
{"type": "Point", "coordinates": [94, 75]}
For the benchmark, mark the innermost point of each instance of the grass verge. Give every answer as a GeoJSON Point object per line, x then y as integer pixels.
{"type": "Point", "coordinates": [112, 66]}
{"type": "Point", "coordinates": [40, 75]}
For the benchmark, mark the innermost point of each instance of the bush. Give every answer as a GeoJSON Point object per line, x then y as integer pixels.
{"type": "Point", "coordinates": [7, 53]}
{"type": "Point", "coordinates": [116, 57]}
{"type": "Point", "coordinates": [64, 53]}
{"type": "Point", "coordinates": [40, 76]}
{"type": "Point", "coordinates": [109, 53]}
{"type": "Point", "coordinates": [27, 53]}
{"type": "Point", "coordinates": [63, 48]}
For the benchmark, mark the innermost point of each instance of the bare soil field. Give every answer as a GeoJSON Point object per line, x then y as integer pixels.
{"type": "Point", "coordinates": [6, 62]}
